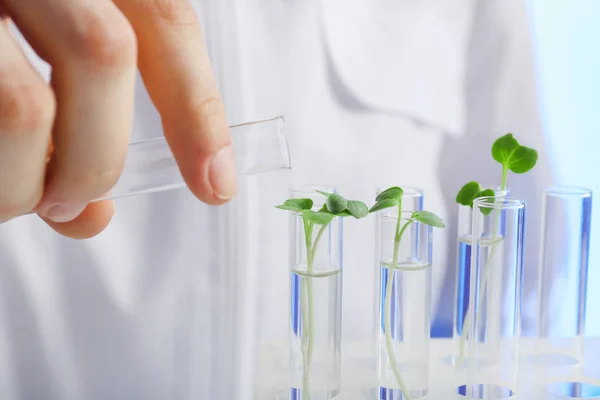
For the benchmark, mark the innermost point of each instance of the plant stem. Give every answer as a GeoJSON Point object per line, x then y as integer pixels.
{"type": "Point", "coordinates": [307, 308]}
{"type": "Point", "coordinates": [388, 305]}
{"type": "Point", "coordinates": [317, 238]}
{"type": "Point", "coordinates": [504, 177]}
{"type": "Point", "coordinates": [311, 331]}
{"type": "Point", "coordinates": [466, 322]}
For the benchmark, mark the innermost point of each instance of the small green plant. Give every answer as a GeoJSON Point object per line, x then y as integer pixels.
{"type": "Point", "coordinates": [514, 157]}
{"type": "Point", "coordinates": [335, 206]}
{"type": "Point", "coordinates": [392, 198]}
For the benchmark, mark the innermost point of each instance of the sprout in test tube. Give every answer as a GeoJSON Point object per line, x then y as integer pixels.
{"type": "Point", "coordinates": [513, 157]}
{"type": "Point", "coordinates": [389, 198]}
{"type": "Point", "coordinates": [335, 206]}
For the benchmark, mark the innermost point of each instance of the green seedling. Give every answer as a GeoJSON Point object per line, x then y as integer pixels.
{"type": "Point", "coordinates": [335, 206]}
{"type": "Point", "coordinates": [392, 198]}
{"type": "Point", "coordinates": [514, 157]}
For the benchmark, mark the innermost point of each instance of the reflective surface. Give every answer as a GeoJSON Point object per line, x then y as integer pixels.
{"type": "Point", "coordinates": [496, 291]}
{"type": "Point", "coordinates": [563, 270]}
{"type": "Point", "coordinates": [259, 146]}
{"type": "Point", "coordinates": [487, 392]}
{"type": "Point", "coordinates": [573, 390]}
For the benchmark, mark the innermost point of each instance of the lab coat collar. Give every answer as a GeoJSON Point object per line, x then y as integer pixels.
{"type": "Point", "coordinates": [401, 57]}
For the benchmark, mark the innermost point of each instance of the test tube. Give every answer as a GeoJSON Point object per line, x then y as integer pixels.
{"type": "Point", "coordinates": [496, 294]}
{"type": "Point", "coordinates": [315, 303]}
{"type": "Point", "coordinates": [412, 200]}
{"type": "Point", "coordinates": [463, 274]}
{"type": "Point", "coordinates": [403, 320]}
{"type": "Point", "coordinates": [259, 146]}
{"type": "Point", "coordinates": [562, 287]}
{"type": "Point", "coordinates": [563, 272]}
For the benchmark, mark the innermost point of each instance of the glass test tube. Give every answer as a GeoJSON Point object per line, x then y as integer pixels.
{"type": "Point", "coordinates": [315, 304]}
{"type": "Point", "coordinates": [563, 272]}
{"type": "Point", "coordinates": [463, 276]}
{"type": "Point", "coordinates": [412, 200]}
{"type": "Point", "coordinates": [496, 294]}
{"type": "Point", "coordinates": [562, 287]}
{"type": "Point", "coordinates": [404, 299]}
{"type": "Point", "coordinates": [259, 146]}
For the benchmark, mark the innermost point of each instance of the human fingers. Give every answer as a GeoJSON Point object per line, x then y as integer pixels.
{"type": "Point", "coordinates": [91, 221]}
{"type": "Point", "coordinates": [27, 108]}
{"type": "Point", "coordinates": [177, 72]}
{"type": "Point", "coordinates": [92, 49]}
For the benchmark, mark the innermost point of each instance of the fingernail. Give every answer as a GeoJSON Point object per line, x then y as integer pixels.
{"type": "Point", "coordinates": [222, 174]}
{"type": "Point", "coordinates": [64, 212]}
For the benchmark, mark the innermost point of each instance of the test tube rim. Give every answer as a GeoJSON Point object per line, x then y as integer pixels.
{"type": "Point", "coordinates": [393, 215]}
{"type": "Point", "coordinates": [312, 189]}
{"type": "Point", "coordinates": [568, 191]}
{"type": "Point", "coordinates": [499, 203]}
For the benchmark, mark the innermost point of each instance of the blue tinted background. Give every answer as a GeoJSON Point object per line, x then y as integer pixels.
{"type": "Point", "coordinates": [566, 46]}
{"type": "Point", "coordinates": [566, 38]}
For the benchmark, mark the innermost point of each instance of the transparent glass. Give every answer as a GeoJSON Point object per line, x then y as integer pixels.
{"type": "Point", "coordinates": [496, 292]}
{"type": "Point", "coordinates": [279, 371]}
{"type": "Point", "coordinates": [259, 146]}
{"type": "Point", "coordinates": [563, 272]}
{"type": "Point", "coordinates": [403, 320]}
{"type": "Point", "coordinates": [572, 390]}
{"type": "Point", "coordinates": [463, 276]}
{"type": "Point", "coordinates": [562, 289]}
{"type": "Point", "coordinates": [315, 307]}
{"type": "Point", "coordinates": [360, 361]}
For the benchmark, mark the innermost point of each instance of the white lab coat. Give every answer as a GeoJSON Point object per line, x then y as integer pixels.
{"type": "Point", "coordinates": [374, 93]}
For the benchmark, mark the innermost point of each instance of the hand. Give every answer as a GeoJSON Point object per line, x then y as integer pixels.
{"type": "Point", "coordinates": [64, 144]}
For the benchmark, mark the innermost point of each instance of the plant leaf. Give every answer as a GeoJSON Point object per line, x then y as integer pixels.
{"type": "Point", "coordinates": [467, 193]}
{"type": "Point", "coordinates": [336, 203]}
{"type": "Point", "coordinates": [394, 193]}
{"type": "Point", "coordinates": [485, 193]}
{"type": "Point", "coordinates": [428, 218]}
{"type": "Point", "coordinates": [523, 160]}
{"type": "Point", "coordinates": [296, 205]}
{"type": "Point", "coordinates": [319, 218]}
{"type": "Point", "coordinates": [504, 147]}
{"type": "Point", "coordinates": [358, 209]}
{"type": "Point", "coordinates": [383, 204]}
{"type": "Point", "coordinates": [343, 213]}
{"type": "Point", "coordinates": [508, 152]}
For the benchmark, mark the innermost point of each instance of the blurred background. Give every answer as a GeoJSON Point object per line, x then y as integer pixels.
{"type": "Point", "coordinates": [402, 93]}
{"type": "Point", "coordinates": [566, 36]}
{"type": "Point", "coordinates": [565, 41]}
